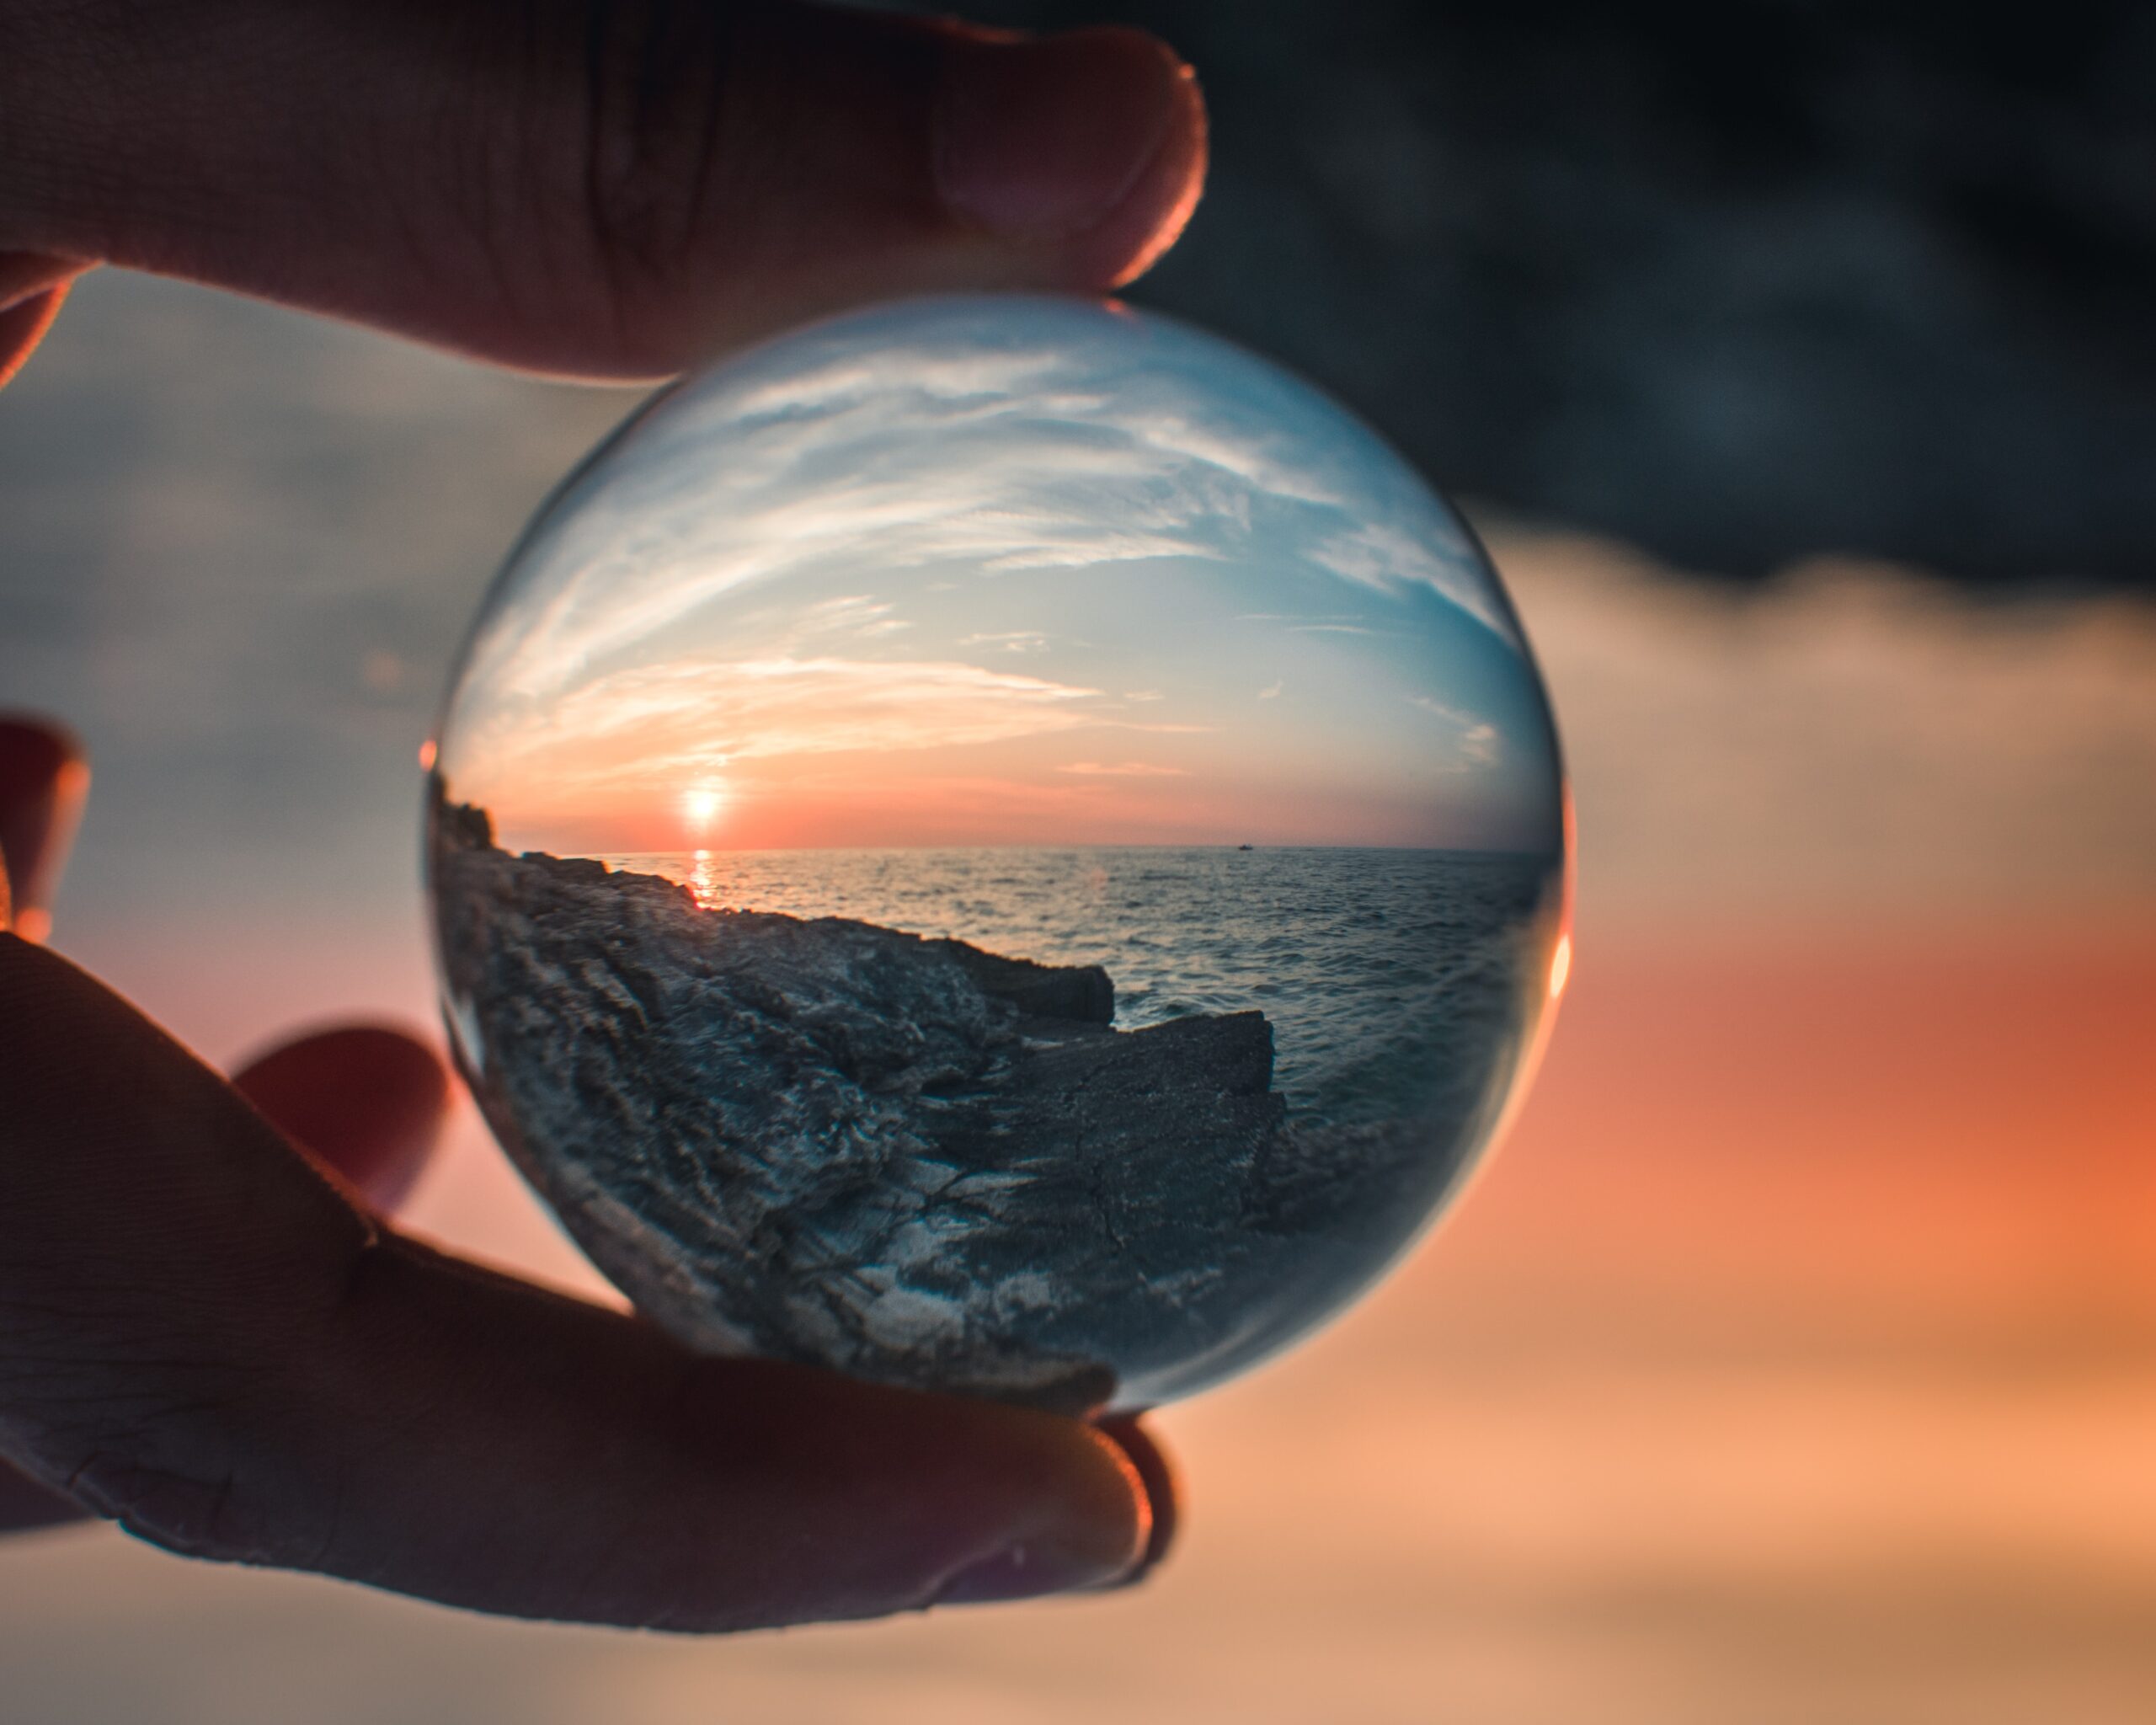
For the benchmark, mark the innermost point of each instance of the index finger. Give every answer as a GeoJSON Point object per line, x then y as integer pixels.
{"type": "Point", "coordinates": [45, 778]}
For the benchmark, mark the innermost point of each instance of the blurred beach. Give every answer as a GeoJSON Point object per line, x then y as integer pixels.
{"type": "Point", "coordinates": [1795, 1359]}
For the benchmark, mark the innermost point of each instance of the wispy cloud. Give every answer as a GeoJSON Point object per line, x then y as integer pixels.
{"type": "Point", "coordinates": [1124, 769]}
{"type": "Point", "coordinates": [964, 455]}
{"type": "Point", "coordinates": [1434, 553]}
{"type": "Point", "coordinates": [1478, 742]}
{"type": "Point", "coordinates": [650, 729]}
{"type": "Point", "coordinates": [1010, 641]}
{"type": "Point", "coordinates": [1337, 623]}
{"type": "Point", "coordinates": [849, 546]}
{"type": "Point", "coordinates": [859, 615]}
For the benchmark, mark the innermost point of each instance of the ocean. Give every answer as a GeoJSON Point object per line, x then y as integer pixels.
{"type": "Point", "coordinates": [1399, 983]}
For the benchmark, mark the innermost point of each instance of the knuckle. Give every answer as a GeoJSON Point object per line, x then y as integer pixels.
{"type": "Point", "coordinates": [188, 1487]}
{"type": "Point", "coordinates": [574, 166]}
{"type": "Point", "coordinates": [196, 1517]}
{"type": "Point", "coordinates": [195, 1454]}
{"type": "Point", "coordinates": [653, 93]}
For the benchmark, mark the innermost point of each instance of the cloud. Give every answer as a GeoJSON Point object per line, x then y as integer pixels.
{"type": "Point", "coordinates": [1479, 742]}
{"type": "Point", "coordinates": [1332, 624]}
{"type": "Point", "coordinates": [1450, 714]}
{"type": "Point", "coordinates": [859, 615]}
{"type": "Point", "coordinates": [1852, 740]}
{"type": "Point", "coordinates": [1271, 691]}
{"type": "Point", "coordinates": [1124, 769]}
{"type": "Point", "coordinates": [1010, 641]}
{"type": "Point", "coordinates": [1085, 551]}
{"type": "Point", "coordinates": [651, 729]}
{"type": "Point", "coordinates": [1434, 553]}
{"type": "Point", "coordinates": [1039, 441]}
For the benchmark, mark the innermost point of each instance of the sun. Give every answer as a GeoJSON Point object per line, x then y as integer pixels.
{"type": "Point", "coordinates": [702, 804]}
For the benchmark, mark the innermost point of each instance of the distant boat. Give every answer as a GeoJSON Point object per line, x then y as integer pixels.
{"type": "Point", "coordinates": [1246, 847]}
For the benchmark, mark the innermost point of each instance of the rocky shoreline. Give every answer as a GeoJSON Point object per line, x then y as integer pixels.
{"type": "Point", "coordinates": [909, 1159]}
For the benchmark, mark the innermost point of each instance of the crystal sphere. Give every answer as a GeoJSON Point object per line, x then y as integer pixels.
{"type": "Point", "coordinates": [997, 845]}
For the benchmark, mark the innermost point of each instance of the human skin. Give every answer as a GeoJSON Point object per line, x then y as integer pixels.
{"type": "Point", "coordinates": [210, 1330]}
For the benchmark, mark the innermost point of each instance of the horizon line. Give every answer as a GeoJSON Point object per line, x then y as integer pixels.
{"type": "Point", "coordinates": [1554, 850]}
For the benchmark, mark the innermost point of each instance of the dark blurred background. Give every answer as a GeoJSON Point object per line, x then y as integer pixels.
{"type": "Point", "coordinates": [1736, 282]}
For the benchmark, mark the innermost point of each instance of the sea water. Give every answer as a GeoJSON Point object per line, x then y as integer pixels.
{"type": "Point", "coordinates": [1392, 978]}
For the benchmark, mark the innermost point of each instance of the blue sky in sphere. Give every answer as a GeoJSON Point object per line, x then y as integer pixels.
{"type": "Point", "coordinates": [1019, 570]}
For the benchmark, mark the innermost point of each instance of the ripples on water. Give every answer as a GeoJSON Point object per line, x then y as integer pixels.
{"type": "Point", "coordinates": [1390, 977]}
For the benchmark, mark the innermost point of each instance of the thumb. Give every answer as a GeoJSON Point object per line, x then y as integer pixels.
{"type": "Point", "coordinates": [595, 187]}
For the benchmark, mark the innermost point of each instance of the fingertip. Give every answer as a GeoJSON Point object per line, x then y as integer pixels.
{"type": "Point", "coordinates": [1084, 1524]}
{"type": "Point", "coordinates": [974, 1501]}
{"type": "Point", "coordinates": [1161, 1481]}
{"type": "Point", "coordinates": [1123, 1512]}
{"type": "Point", "coordinates": [45, 780]}
{"type": "Point", "coordinates": [33, 287]}
{"type": "Point", "coordinates": [368, 1100]}
{"type": "Point", "coordinates": [841, 1500]}
{"type": "Point", "coordinates": [37, 755]}
{"type": "Point", "coordinates": [1088, 147]}
{"type": "Point", "coordinates": [1162, 201]}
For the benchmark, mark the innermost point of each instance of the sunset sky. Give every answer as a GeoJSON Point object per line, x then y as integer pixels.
{"type": "Point", "coordinates": [1793, 1361]}
{"type": "Point", "coordinates": [1029, 572]}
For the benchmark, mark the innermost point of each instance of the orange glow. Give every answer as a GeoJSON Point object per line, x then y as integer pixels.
{"type": "Point", "coordinates": [1840, 1244]}
{"type": "Point", "coordinates": [1560, 966]}
{"type": "Point", "coordinates": [701, 805]}
{"type": "Point", "coordinates": [806, 747]}
{"type": "Point", "coordinates": [427, 755]}
{"type": "Point", "coordinates": [1201, 791]}
{"type": "Point", "coordinates": [1943, 1132]}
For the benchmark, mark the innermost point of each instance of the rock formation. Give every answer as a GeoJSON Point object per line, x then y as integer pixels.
{"type": "Point", "coordinates": [909, 1159]}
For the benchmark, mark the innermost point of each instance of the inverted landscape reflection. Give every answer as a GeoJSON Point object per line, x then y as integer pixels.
{"type": "Point", "coordinates": [1000, 846]}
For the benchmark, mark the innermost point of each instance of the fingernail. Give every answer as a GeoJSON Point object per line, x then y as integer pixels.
{"type": "Point", "coordinates": [1163, 1495]}
{"type": "Point", "coordinates": [1042, 138]}
{"type": "Point", "coordinates": [1028, 1571]}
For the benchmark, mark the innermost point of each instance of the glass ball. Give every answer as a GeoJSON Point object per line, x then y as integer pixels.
{"type": "Point", "coordinates": [997, 845]}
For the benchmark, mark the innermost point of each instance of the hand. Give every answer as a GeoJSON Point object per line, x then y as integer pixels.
{"type": "Point", "coordinates": [207, 1331]}
{"type": "Point", "coordinates": [594, 187]}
